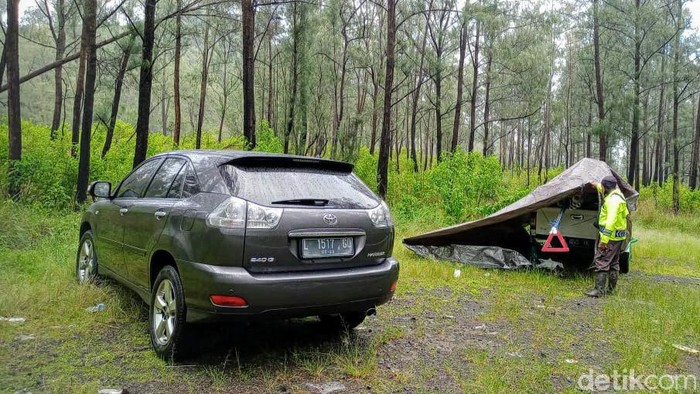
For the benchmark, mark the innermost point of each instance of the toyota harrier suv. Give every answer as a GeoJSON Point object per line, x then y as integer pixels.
{"type": "Point", "coordinates": [213, 235]}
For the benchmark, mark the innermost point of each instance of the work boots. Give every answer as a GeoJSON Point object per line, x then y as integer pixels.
{"type": "Point", "coordinates": [612, 281]}
{"type": "Point", "coordinates": [599, 289]}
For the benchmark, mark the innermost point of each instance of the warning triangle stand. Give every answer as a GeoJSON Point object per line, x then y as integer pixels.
{"type": "Point", "coordinates": [547, 247]}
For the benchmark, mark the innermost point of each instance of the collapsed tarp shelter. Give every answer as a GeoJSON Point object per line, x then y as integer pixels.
{"type": "Point", "coordinates": [501, 239]}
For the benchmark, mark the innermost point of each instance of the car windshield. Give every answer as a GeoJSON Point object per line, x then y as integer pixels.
{"type": "Point", "coordinates": [299, 187]}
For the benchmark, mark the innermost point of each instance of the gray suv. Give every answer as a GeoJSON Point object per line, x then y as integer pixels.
{"type": "Point", "coordinates": [213, 235]}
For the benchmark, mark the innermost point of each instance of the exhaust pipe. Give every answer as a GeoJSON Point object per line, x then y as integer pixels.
{"type": "Point", "coordinates": [371, 311]}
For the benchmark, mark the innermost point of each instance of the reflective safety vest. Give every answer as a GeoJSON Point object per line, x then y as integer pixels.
{"type": "Point", "coordinates": [612, 222]}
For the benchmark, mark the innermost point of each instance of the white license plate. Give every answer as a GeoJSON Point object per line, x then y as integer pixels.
{"type": "Point", "coordinates": [313, 248]}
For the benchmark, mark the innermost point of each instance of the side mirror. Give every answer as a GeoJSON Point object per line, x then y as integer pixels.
{"type": "Point", "coordinates": [100, 189]}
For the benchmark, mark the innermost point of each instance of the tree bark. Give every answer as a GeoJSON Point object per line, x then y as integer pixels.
{"type": "Point", "coordinates": [176, 75]}
{"type": "Point", "coordinates": [225, 103]}
{"type": "Point", "coordinates": [695, 157]}
{"type": "Point", "coordinates": [475, 89]}
{"type": "Point", "coordinates": [14, 117]}
{"type": "Point", "coordinates": [58, 71]}
{"type": "Point", "coordinates": [340, 98]}
{"type": "Point", "coordinates": [438, 112]}
{"type": "Point", "coordinates": [79, 89]}
{"type": "Point", "coordinates": [3, 61]}
{"type": "Point", "coordinates": [634, 139]}
{"type": "Point", "coordinates": [118, 83]}
{"type": "Point", "coordinates": [248, 9]}
{"type": "Point", "coordinates": [385, 139]}
{"type": "Point", "coordinates": [645, 142]}
{"type": "Point", "coordinates": [416, 94]}
{"type": "Point", "coordinates": [89, 29]}
{"type": "Point", "coordinates": [658, 151]}
{"type": "Point", "coordinates": [375, 99]}
{"type": "Point", "coordinates": [600, 98]}
{"type": "Point", "coordinates": [676, 102]}
{"type": "Point", "coordinates": [269, 79]}
{"type": "Point", "coordinates": [460, 88]}
{"type": "Point", "coordinates": [145, 83]}
{"type": "Point", "coordinates": [487, 104]}
{"type": "Point", "coordinates": [295, 79]}
{"type": "Point", "coordinates": [203, 87]}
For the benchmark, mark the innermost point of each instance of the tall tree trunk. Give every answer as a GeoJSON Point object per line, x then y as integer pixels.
{"type": "Point", "coordinates": [416, 95]}
{"type": "Point", "coordinates": [487, 104]}
{"type": "Point", "coordinates": [658, 150]}
{"type": "Point", "coordinates": [475, 88]}
{"type": "Point", "coordinates": [645, 142]}
{"type": "Point", "coordinates": [438, 110]}
{"type": "Point", "coordinates": [340, 98]}
{"type": "Point", "coordinates": [3, 61]}
{"type": "Point", "coordinates": [295, 79]}
{"type": "Point", "coordinates": [248, 8]}
{"type": "Point", "coordinates": [79, 90]}
{"type": "Point", "coordinates": [385, 143]}
{"type": "Point", "coordinates": [89, 29]}
{"type": "Point", "coordinates": [634, 138]}
{"type": "Point", "coordinates": [164, 109]}
{"type": "Point", "coordinates": [58, 71]}
{"type": "Point", "coordinates": [695, 156]}
{"type": "Point", "coordinates": [14, 117]}
{"type": "Point", "coordinates": [269, 79]}
{"type": "Point", "coordinates": [676, 102]}
{"type": "Point", "coordinates": [225, 103]}
{"type": "Point", "coordinates": [176, 75]}
{"type": "Point", "coordinates": [375, 100]}
{"type": "Point", "coordinates": [600, 99]}
{"type": "Point", "coordinates": [118, 83]}
{"type": "Point", "coordinates": [203, 87]}
{"type": "Point", "coordinates": [145, 82]}
{"type": "Point", "coordinates": [460, 88]}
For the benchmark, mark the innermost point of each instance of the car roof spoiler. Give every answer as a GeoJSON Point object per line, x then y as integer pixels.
{"type": "Point", "coordinates": [279, 161]}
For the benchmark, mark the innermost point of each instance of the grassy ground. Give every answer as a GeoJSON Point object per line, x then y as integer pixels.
{"type": "Point", "coordinates": [486, 331]}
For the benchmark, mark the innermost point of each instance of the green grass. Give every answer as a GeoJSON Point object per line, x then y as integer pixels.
{"type": "Point", "coordinates": [486, 331]}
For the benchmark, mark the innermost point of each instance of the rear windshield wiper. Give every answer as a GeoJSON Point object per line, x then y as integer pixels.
{"type": "Point", "coordinates": [318, 202]}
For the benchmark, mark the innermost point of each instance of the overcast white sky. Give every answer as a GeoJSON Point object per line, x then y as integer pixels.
{"type": "Point", "coordinates": [692, 5]}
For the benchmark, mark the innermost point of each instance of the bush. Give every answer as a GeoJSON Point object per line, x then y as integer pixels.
{"type": "Point", "coordinates": [462, 186]}
{"type": "Point", "coordinates": [266, 140]}
{"type": "Point", "coordinates": [662, 197]}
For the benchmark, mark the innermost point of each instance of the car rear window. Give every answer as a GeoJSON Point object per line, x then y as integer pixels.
{"type": "Point", "coordinates": [265, 185]}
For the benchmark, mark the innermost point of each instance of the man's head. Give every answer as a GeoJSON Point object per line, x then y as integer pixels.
{"type": "Point", "coordinates": [609, 183]}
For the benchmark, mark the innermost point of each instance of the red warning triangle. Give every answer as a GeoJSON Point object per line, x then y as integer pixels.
{"type": "Point", "coordinates": [547, 247]}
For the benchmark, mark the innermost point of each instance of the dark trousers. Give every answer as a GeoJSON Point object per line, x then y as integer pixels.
{"type": "Point", "coordinates": [608, 260]}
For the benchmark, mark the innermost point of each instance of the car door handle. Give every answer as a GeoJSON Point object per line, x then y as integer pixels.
{"type": "Point", "coordinates": [159, 214]}
{"type": "Point", "coordinates": [123, 211]}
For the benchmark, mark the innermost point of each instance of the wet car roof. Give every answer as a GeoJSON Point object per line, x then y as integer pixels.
{"type": "Point", "coordinates": [211, 157]}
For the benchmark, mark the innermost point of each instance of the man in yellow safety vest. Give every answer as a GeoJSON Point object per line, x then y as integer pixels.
{"type": "Point", "coordinates": [612, 225]}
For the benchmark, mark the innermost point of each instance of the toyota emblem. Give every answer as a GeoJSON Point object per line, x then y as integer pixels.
{"type": "Point", "coordinates": [330, 219]}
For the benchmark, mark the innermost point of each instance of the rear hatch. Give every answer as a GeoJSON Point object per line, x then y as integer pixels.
{"type": "Point", "coordinates": [325, 215]}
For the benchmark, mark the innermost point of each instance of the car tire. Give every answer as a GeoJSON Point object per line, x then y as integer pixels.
{"type": "Point", "coordinates": [167, 316]}
{"type": "Point", "coordinates": [344, 321]}
{"type": "Point", "coordinates": [86, 259]}
{"type": "Point", "coordinates": [624, 263]}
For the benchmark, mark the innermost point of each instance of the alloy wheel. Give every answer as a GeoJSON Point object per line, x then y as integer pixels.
{"type": "Point", "coordinates": [86, 262]}
{"type": "Point", "coordinates": [164, 312]}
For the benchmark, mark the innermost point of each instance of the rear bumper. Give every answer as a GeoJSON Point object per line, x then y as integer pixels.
{"type": "Point", "coordinates": [285, 294]}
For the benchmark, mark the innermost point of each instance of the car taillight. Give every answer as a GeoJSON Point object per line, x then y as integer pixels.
{"type": "Point", "coordinates": [237, 213]}
{"type": "Point", "coordinates": [380, 216]}
{"type": "Point", "coordinates": [393, 286]}
{"type": "Point", "coordinates": [263, 217]}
